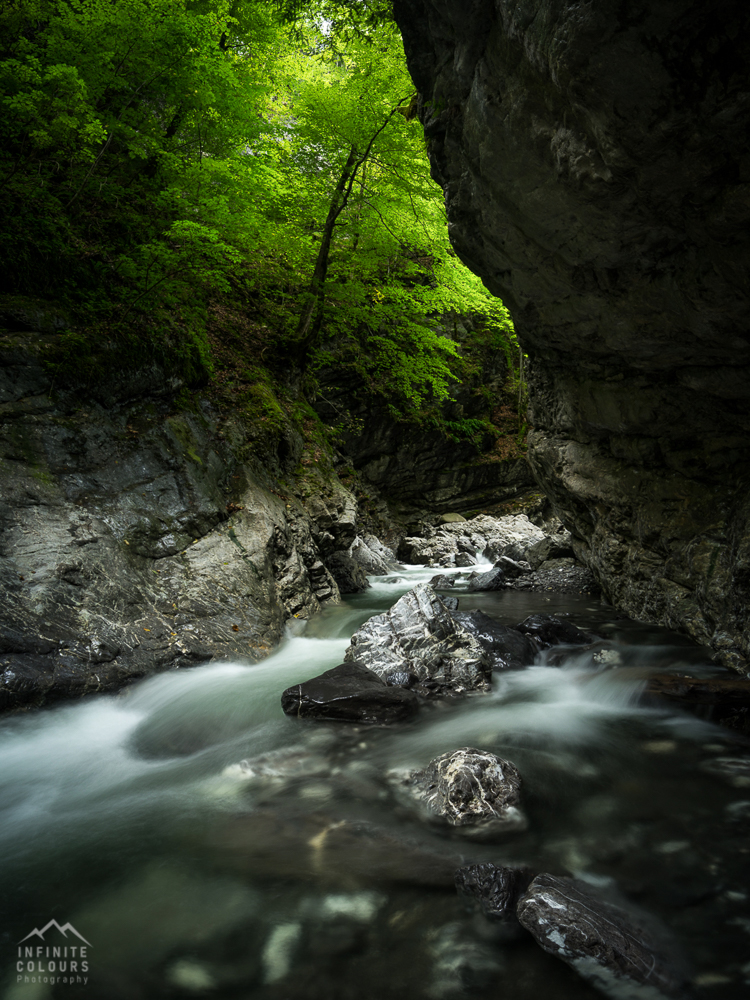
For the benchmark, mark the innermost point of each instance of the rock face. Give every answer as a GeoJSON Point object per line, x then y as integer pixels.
{"type": "Point", "coordinates": [604, 943]}
{"type": "Point", "coordinates": [420, 637]}
{"type": "Point", "coordinates": [474, 793]}
{"type": "Point", "coordinates": [349, 693]}
{"type": "Point", "coordinates": [134, 537]}
{"type": "Point", "coordinates": [594, 161]}
{"type": "Point", "coordinates": [489, 536]}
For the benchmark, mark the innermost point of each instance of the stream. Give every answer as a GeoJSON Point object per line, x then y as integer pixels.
{"type": "Point", "coordinates": [186, 874]}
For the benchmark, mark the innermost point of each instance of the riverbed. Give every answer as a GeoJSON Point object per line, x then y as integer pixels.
{"type": "Point", "coordinates": [182, 872]}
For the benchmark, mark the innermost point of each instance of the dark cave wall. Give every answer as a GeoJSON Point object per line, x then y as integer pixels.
{"type": "Point", "coordinates": [596, 169]}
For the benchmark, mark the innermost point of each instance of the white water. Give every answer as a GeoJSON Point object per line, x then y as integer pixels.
{"type": "Point", "coordinates": [110, 804]}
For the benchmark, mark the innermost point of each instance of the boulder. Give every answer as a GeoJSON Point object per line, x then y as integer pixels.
{"type": "Point", "coordinates": [470, 791]}
{"type": "Point", "coordinates": [420, 635]}
{"type": "Point", "coordinates": [724, 699]}
{"type": "Point", "coordinates": [349, 574]}
{"type": "Point", "coordinates": [349, 693]}
{"type": "Point", "coordinates": [547, 631]}
{"type": "Point", "coordinates": [559, 546]}
{"type": "Point", "coordinates": [508, 648]}
{"type": "Point", "coordinates": [618, 950]}
{"type": "Point", "coordinates": [442, 581]}
{"type": "Point", "coordinates": [372, 555]}
{"type": "Point", "coordinates": [499, 577]}
{"type": "Point", "coordinates": [328, 849]}
{"type": "Point", "coordinates": [494, 891]}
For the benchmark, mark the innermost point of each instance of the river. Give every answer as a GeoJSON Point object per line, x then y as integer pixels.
{"type": "Point", "coordinates": [130, 819]}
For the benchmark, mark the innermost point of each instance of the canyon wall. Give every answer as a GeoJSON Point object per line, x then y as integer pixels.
{"type": "Point", "coordinates": [596, 166]}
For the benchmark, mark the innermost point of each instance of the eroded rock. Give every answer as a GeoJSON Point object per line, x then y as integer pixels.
{"type": "Point", "coordinates": [509, 648]}
{"type": "Point", "coordinates": [493, 890]}
{"type": "Point", "coordinates": [470, 791]}
{"type": "Point", "coordinates": [419, 635]}
{"type": "Point", "coordinates": [349, 693]}
{"type": "Point", "coordinates": [618, 950]}
{"type": "Point", "coordinates": [547, 630]}
{"type": "Point", "coordinates": [593, 177]}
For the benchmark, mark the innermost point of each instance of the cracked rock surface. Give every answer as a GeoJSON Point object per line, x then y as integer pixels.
{"type": "Point", "coordinates": [594, 159]}
{"type": "Point", "coordinates": [421, 640]}
{"type": "Point", "coordinates": [471, 791]}
{"type": "Point", "coordinates": [134, 538]}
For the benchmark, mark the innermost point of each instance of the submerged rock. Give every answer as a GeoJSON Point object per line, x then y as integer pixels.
{"type": "Point", "coordinates": [349, 693]}
{"type": "Point", "coordinates": [547, 630]}
{"type": "Point", "coordinates": [269, 843]}
{"type": "Point", "coordinates": [509, 648]}
{"type": "Point", "coordinates": [473, 792]}
{"type": "Point", "coordinates": [420, 635]}
{"type": "Point", "coordinates": [725, 700]}
{"type": "Point", "coordinates": [494, 890]}
{"type": "Point", "coordinates": [618, 950]}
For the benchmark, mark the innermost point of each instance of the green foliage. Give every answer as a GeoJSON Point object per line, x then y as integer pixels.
{"type": "Point", "coordinates": [161, 155]}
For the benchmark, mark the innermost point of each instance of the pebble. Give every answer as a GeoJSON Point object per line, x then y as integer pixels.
{"type": "Point", "coordinates": [660, 746]}
{"type": "Point", "coordinates": [190, 976]}
{"type": "Point", "coordinates": [672, 846]}
{"type": "Point", "coordinates": [711, 979]}
{"type": "Point", "coordinates": [279, 950]}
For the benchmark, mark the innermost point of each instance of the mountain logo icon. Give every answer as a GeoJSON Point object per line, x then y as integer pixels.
{"type": "Point", "coordinates": [63, 930]}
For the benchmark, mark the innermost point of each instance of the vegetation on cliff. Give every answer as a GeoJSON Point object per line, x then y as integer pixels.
{"type": "Point", "coordinates": [176, 168]}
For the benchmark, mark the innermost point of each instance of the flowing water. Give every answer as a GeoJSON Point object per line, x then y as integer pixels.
{"type": "Point", "coordinates": [188, 874]}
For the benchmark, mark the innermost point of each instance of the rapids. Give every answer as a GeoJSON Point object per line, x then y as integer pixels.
{"type": "Point", "coordinates": [130, 818]}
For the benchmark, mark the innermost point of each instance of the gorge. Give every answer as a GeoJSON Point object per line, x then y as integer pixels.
{"type": "Point", "coordinates": [329, 669]}
{"type": "Point", "coordinates": [594, 158]}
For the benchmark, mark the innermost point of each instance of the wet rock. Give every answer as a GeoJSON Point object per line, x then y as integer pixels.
{"type": "Point", "coordinates": [570, 149]}
{"type": "Point", "coordinates": [734, 771]}
{"type": "Point", "coordinates": [420, 635]}
{"type": "Point", "coordinates": [349, 693]}
{"type": "Point", "coordinates": [725, 700]}
{"type": "Point", "coordinates": [499, 577]}
{"type": "Point", "coordinates": [509, 648]}
{"type": "Point", "coordinates": [494, 890]}
{"type": "Point", "coordinates": [442, 581]}
{"type": "Point", "coordinates": [472, 792]}
{"type": "Point", "coordinates": [269, 843]}
{"type": "Point", "coordinates": [618, 950]}
{"type": "Point", "coordinates": [374, 557]}
{"type": "Point", "coordinates": [464, 559]}
{"type": "Point", "coordinates": [462, 964]}
{"type": "Point", "coordinates": [547, 630]}
{"type": "Point", "coordinates": [552, 547]}
{"type": "Point", "coordinates": [491, 536]}
{"type": "Point", "coordinates": [349, 574]}
{"type": "Point", "coordinates": [560, 576]}
{"type": "Point", "coordinates": [451, 603]}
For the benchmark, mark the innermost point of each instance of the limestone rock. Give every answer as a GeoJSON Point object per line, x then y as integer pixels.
{"type": "Point", "coordinates": [470, 791]}
{"type": "Point", "coordinates": [616, 949]}
{"type": "Point", "coordinates": [420, 635]}
{"type": "Point", "coordinates": [349, 693]}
